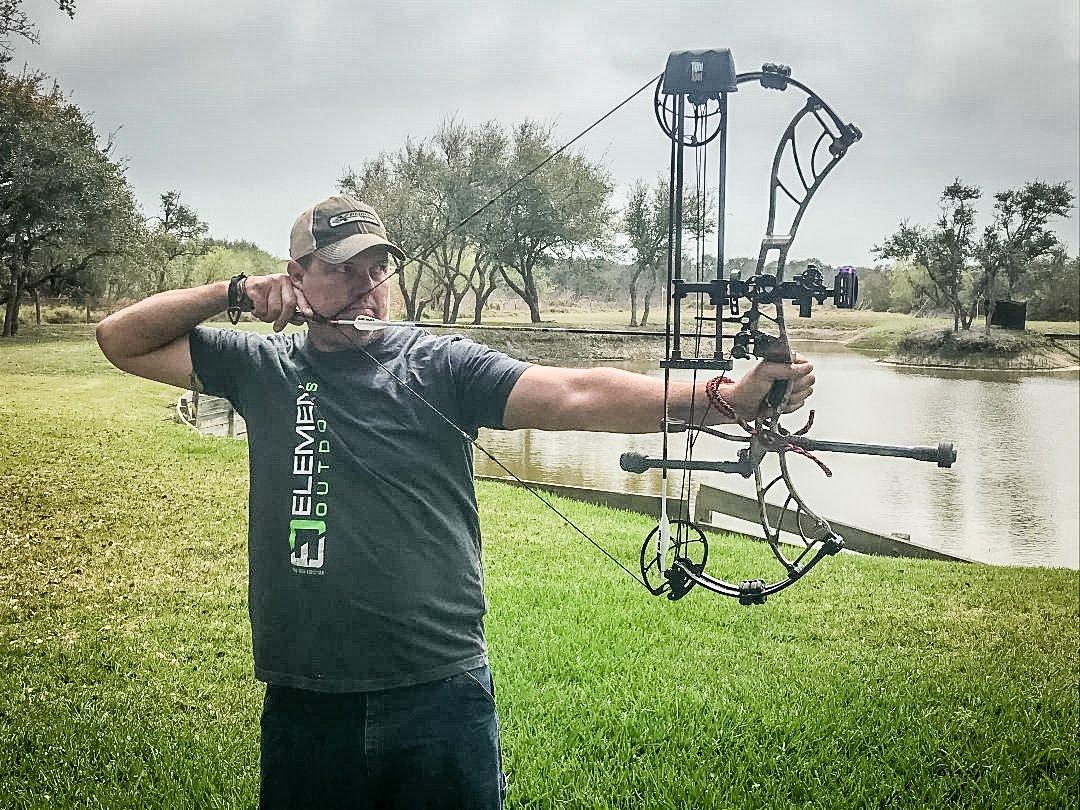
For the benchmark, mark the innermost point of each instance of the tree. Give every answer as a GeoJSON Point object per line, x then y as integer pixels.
{"type": "Point", "coordinates": [425, 192]}
{"type": "Point", "coordinates": [740, 267]}
{"type": "Point", "coordinates": [81, 262]}
{"type": "Point", "coordinates": [699, 220]}
{"type": "Point", "coordinates": [944, 251]}
{"type": "Point", "coordinates": [874, 288]}
{"type": "Point", "coordinates": [64, 203]}
{"type": "Point", "coordinates": [1018, 234]}
{"type": "Point", "coordinates": [15, 23]}
{"type": "Point", "coordinates": [395, 186]}
{"type": "Point", "coordinates": [488, 177]}
{"type": "Point", "coordinates": [226, 258]}
{"type": "Point", "coordinates": [548, 215]}
{"type": "Point", "coordinates": [471, 172]}
{"type": "Point", "coordinates": [589, 276]}
{"type": "Point", "coordinates": [645, 223]}
{"type": "Point", "coordinates": [1052, 286]}
{"type": "Point", "coordinates": [178, 233]}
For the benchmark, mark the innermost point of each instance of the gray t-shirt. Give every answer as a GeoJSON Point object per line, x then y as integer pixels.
{"type": "Point", "coordinates": [363, 538]}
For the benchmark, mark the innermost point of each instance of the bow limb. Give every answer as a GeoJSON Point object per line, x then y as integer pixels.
{"type": "Point", "coordinates": [814, 531]}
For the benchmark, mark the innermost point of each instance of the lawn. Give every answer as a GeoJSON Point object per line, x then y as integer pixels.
{"type": "Point", "coordinates": [125, 672]}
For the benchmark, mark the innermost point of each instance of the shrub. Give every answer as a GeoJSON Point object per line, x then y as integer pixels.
{"type": "Point", "coordinates": [945, 342]}
{"type": "Point", "coordinates": [63, 315]}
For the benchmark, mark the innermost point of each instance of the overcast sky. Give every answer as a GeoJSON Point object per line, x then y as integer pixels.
{"type": "Point", "coordinates": [252, 109]}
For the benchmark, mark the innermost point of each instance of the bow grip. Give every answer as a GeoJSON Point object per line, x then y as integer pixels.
{"type": "Point", "coordinates": [777, 393]}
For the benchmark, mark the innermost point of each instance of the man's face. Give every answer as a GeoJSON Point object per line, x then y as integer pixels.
{"type": "Point", "coordinates": [343, 291]}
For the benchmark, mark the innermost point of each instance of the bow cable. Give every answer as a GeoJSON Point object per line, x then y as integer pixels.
{"type": "Point", "coordinates": [525, 484]}
{"type": "Point", "coordinates": [440, 238]}
{"type": "Point", "coordinates": [472, 441]}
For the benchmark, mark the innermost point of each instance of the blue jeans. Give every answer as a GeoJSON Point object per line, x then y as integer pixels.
{"type": "Point", "coordinates": [433, 745]}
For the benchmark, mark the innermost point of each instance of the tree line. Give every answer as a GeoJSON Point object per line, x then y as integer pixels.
{"type": "Point", "coordinates": [481, 210]}
{"type": "Point", "coordinates": [69, 222]}
{"type": "Point", "coordinates": [954, 267]}
{"type": "Point", "coordinates": [558, 225]}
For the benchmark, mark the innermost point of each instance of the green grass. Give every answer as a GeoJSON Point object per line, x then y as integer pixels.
{"type": "Point", "coordinates": [125, 673]}
{"type": "Point", "coordinates": [1058, 327]}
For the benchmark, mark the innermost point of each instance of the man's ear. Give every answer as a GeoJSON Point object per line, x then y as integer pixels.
{"type": "Point", "coordinates": [295, 270]}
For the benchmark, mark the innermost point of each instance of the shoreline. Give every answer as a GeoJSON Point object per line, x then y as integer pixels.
{"type": "Point", "coordinates": [1039, 356]}
{"type": "Point", "coordinates": [1030, 352]}
{"type": "Point", "coordinates": [953, 367]}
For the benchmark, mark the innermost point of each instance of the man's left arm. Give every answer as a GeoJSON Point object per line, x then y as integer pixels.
{"type": "Point", "coordinates": [616, 401]}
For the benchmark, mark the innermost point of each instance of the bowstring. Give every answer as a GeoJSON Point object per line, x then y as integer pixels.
{"type": "Point", "coordinates": [475, 443]}
{"type": "Point", "coordinates": [421, 252]}
{"type": "Point", "coordinates": [449, 422]}
{"type": "Point", "coordinates": [668, 329]}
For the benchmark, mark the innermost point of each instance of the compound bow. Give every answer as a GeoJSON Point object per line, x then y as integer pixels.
{"type": "Point", "coordinates": [694, 90]}
{"type": "Point", "coordinates": [691, 103]}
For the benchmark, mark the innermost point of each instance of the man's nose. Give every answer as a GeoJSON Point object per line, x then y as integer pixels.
{"type": "Point", "coordinates": [362, 281]}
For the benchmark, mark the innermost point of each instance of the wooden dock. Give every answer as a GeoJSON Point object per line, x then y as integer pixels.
{"type": "Point", "coordinates": [210, 415]}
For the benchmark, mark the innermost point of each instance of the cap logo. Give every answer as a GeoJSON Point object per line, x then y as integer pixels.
{"type": "Point", "coordinates": [354, 216]}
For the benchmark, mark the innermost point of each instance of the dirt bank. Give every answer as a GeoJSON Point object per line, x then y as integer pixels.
{"type": "Point", "coordinates": [999, 350]}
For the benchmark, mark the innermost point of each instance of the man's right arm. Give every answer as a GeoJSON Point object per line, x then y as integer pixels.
{"type": "Point", "coordinates": [150, 338]}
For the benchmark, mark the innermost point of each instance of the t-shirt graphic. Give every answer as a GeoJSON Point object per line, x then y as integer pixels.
{"type": "Point", "coordinates": [310, 465]}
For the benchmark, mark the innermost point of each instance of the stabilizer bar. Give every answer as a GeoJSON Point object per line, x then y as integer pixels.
{"type": "Point", "coordinates": [944, 455]}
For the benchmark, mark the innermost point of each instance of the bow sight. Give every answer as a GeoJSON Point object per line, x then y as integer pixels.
{"type": "Point", "coordinates": [691, 105]}
{"type": "Point", "coordinates": [803, 289]}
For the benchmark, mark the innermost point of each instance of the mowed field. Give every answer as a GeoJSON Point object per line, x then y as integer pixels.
{"type": "Point", "coordinates": [125, 659]}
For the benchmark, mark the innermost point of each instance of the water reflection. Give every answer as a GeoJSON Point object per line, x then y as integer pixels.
{"type": "Point", "coordinates": [1012, 498]}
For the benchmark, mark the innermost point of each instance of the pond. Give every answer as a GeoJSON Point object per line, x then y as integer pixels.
{"type": "Point", "coordinates": [1012, 498]}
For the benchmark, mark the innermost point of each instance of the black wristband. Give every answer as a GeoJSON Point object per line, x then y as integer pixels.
{"type": "Point", "coordinates": [237, 297]}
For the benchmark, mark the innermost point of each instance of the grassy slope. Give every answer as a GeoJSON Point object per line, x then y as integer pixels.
{"type": "Point", "coordinates": [125, 658]}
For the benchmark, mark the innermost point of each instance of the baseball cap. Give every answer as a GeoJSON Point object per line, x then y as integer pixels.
{"type": "Point", "coordinates": [337, 229]}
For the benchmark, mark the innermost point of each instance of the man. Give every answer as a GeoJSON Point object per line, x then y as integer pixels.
{"type": "Point", "coordinates": [365, 588]}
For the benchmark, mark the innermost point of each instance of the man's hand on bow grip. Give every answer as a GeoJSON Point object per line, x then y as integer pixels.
{"type": "Point", "coordinates": [276, 299]}
{"type": "Point", "coordinates": [750, 391]}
